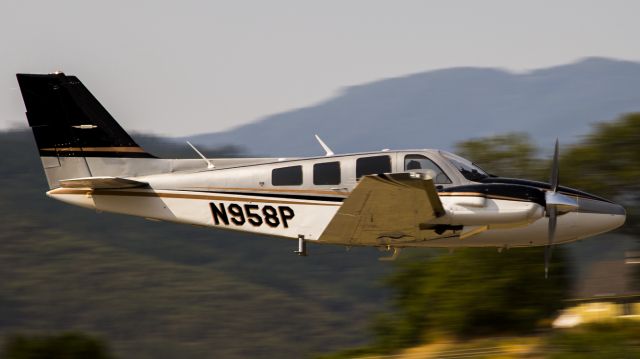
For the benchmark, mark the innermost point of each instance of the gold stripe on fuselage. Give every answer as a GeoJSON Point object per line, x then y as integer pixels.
{"type": "Point", "coordinates": [102, 192]}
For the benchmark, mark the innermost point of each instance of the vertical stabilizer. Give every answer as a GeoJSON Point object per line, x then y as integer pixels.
{"type": "Point", "coordinates": [70, 125]}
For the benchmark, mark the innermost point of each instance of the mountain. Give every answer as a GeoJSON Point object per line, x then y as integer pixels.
{"type": "Point", "coordinates": [436, 109]}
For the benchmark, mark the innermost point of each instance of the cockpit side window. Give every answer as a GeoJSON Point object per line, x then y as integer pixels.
{"type": "Point", "coordinates": [420, 163]}
{"type": "Point", "coordinates": [468, 169]}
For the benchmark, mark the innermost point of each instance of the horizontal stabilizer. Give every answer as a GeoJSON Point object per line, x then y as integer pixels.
{"type": "Point", "coordinates": [101, 183]}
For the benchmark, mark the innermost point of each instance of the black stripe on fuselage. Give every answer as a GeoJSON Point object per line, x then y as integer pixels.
{"type": "Point", "coordinates": [541, 186]}
{"type": "Point", "coordinates": [531, 191]}
{"type": "Point", "coordinates": [279, 195]}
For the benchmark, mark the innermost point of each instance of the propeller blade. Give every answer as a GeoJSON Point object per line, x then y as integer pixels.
{"type": "Point", "coordinates": [548, 251]}
{"type": "Point", "coordinates": [554, 181]}
{"type": "Point", "coordinates": [554, 202]}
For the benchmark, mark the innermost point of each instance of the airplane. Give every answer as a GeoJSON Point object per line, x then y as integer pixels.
{"type": "Point", "coordinates": [387, 199]}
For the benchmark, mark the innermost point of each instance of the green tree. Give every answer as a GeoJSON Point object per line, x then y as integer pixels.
{"type": "Point", "coordinates": [607, 163]}
{"type": "Point", "coordinates": [465, 294]}
{"type": "Point", "coordinates": [508, 155]}
{"type": "Point", "coordinates": [67, 346]}
{"type": "Point", "coordinates": [471, 292]}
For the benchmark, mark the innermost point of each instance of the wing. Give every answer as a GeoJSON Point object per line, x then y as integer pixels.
{"type": "Point", "coordinates": [385, 208]}
{"type": "Point", "coordinates": [101, 183]}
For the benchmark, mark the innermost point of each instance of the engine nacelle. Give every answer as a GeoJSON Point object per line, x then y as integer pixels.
{"type": "Point", "coordinates": [479, 210]}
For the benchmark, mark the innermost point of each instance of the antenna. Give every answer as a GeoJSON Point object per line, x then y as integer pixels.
{"type": "Point", "coordinates": [324, 145]}
{"type": "Point", "coordinates": [209, 164]}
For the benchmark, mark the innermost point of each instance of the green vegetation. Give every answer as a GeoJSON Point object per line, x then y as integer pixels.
{"type": "Point", "coordinates": [67, 346]}
{"type": "Point", "coordinates": [616, 339]}
{"type": "Point", "coordinates": [466, 294]}
{"type": "Point", "coordinates": [161, 290]}
{"type": "Point", "coordinates": [471, 292]}
{"type": "Point", "coordinates": [508, 155]}
{"type": "Point", "coordinates": [607, 163]}
{"type": "Point", "coordinates": [478, 293]}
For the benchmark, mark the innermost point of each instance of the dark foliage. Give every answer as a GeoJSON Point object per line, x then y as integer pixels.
{"type": "Point", "coordinates": [471, 292]}
{"type": "Point", "coordinates": [63, 346]}
{"type": "Point", "coordinates": [477, 292]}
{"type": "Point", "coordinates": [615, 339]}
{"type": "Point", "coordinates": [161, 290]}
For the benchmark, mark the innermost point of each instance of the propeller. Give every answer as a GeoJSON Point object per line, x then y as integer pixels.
{"type": "Point", "coordinates": [556, 203]}
{"type": "Point", "coordinates": [552, 211]}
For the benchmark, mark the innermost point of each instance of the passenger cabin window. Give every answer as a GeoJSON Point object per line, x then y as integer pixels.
{"type": "Point", "coordinates": [372, 165]}
{"type": "Point", "coordinates": [326, 173]}
{"type": "Point", "coordinates": [419, 163]}
{"type": "Point", "coordinates": [287, 176]}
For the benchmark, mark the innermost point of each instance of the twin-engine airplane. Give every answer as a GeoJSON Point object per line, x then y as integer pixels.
{"type": "Point", "coordinates": [389, 199]}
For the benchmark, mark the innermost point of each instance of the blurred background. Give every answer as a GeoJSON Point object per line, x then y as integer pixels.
{"type": "Point", "coordinates": [495, 82]}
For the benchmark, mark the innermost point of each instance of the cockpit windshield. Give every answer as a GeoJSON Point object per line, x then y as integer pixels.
{"type": "Point", "coordinates": [468, 169]}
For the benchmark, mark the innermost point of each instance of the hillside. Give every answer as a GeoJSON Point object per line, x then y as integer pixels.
{"type": "Point", "coordinates": [159, 290]}
{"type": "Point", "coordinates": [436, 109]}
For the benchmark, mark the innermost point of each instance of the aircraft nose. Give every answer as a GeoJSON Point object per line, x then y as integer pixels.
{"type": "Point", "coordinates": [610, 215]}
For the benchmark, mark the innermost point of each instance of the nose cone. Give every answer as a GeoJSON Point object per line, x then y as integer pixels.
{"type": "Point", "coordinates": [601, 216]}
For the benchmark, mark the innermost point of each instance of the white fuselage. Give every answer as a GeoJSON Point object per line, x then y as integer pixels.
{"type": "Point", "coordinates": [246, 198]}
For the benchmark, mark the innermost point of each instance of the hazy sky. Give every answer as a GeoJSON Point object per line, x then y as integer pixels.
{"type": "Point", "coordinates": [185, 67]}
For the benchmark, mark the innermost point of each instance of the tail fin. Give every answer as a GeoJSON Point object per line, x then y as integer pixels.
{"type": "Point", "coordinates": [69, 125]}
{"type": "Point", "coordinates": [67, 121]}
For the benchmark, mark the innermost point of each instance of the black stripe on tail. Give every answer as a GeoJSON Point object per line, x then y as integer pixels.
{"type": "Point", "coordinates": [67, 121]}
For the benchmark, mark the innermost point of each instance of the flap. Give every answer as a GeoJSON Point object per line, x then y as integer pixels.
{"type": "Point", "coordinates": [101, 183]}
{"type": "Point", "coordinates": [385, 208]}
